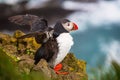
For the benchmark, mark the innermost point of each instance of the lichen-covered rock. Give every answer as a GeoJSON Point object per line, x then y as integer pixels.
{"type": "Point", "coordinates": [22, 51]}
{"type": "Point", "coordinates": [6, 39]}
{"type": "Point", "coordinates": [11, 49]}
{"type": "Point", "coordinates": [43, 67]}
{"type": "Point", "coordinates": [25, 44]}
{"type": "Point", "coordinates": [76, 69]}
{"type": "Point", "coordinates": [25, 63]}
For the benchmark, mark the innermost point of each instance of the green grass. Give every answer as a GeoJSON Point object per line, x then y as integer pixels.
{"type": "Point", "coordinates": [113, 73]}
{"type": "Point", "coordinates": [110, 73]}
{"type": "Point", "coordinates": [10, 71]}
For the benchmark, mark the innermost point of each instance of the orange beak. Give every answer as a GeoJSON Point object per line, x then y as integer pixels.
{"type": "Point", "coordinates": [75, 27]}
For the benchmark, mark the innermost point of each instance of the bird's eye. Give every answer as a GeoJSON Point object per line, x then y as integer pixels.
{"type": "Point", "coordinates": [68, 24]}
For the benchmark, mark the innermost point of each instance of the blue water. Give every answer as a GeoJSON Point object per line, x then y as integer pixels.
{"type": "Point", "coordinates": [87, 44]}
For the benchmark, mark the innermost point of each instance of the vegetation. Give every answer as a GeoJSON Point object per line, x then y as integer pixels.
{"type": "Point", "coordinates": [113, 73]}
{"type": "Point", "coordinates": [10, 71]}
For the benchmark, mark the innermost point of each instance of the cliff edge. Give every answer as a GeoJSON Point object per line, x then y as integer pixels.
{"type": "Point", "coordinates": [21, 52]}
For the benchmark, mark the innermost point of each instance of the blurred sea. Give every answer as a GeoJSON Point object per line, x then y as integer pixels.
{"type": "Point", "coordinates": [98, 39]}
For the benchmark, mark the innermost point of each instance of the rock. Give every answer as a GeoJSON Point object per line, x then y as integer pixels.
{"type": "Point", "coordinates": [25, 44]}
{"type": "Point", "coordinates": [25, 63]}
{"type": "Point", "coordinates": [6, 39]}
{"type": "Point", "coordinates": [75, 67]}
{"type": "Point", "coordinates": [11, 49]}
{"type": "Point", "coordinates": [43, 67]}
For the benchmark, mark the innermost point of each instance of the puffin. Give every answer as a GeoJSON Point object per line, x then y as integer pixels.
{"type": "Point", "coordinates": [56, 41]}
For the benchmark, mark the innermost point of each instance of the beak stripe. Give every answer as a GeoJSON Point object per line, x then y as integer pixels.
{"type": "Point", "coordinates": [75, 27]}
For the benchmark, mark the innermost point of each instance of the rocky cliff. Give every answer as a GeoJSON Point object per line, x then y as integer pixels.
{"type": "Point", "coordinates": [22, 52]}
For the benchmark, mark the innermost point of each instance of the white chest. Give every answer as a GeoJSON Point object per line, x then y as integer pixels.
{"type": "Point", "coordinates": [65, 41]}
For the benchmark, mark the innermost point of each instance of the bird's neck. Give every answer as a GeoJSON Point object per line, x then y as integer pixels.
{"type": "Point", "coordinates": [55, 34]}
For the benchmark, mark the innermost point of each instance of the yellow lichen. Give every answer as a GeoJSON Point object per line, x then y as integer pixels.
{"type": "Point", "coordinates": [35, 43]}
{"type": "Point", "coordinates": [82, 65]}
{"type": "Point", "coordinates": [71, 69]}
{"type": "Point", "coordinates": [18, 33]}
{"type": "Point", "coordinates": [81, 74]}
{"type": "Point", "coordinates": [32, 43]}
{"type": "Point", "coordinates": [13, 39]}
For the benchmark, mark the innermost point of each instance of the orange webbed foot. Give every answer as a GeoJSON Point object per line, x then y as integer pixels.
{"type": "Point", "coordinates": [57, 69]}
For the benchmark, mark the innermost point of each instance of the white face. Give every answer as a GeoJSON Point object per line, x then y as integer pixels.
{"type": "Point", "coordinates": [68, 26]}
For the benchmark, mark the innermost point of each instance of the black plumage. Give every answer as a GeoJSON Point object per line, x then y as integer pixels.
{"type": "Point", "coordinates": [36, 23]}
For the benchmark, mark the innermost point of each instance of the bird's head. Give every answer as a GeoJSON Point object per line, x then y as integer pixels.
{"type": "Point", "coordinates": [68, 25]}
{"type": "Point", "coordinates": [64, 25]}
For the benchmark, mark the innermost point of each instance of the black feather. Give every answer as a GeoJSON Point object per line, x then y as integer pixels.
{"type": "Point", "coordinates": [47, 51]}
{"type": "Point", "coordinates": [36, 23]}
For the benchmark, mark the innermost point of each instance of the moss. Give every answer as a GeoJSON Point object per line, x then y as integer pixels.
{"type": "Point", "coordinates": [77, 65]}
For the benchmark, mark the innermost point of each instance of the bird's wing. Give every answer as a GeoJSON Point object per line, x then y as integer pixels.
{"type": "Point", "coordinates": [40, 37]}
{"type": "Point", "coordinates": [36, 23]}
{"type": "Point", "coordinates": [29, 35]}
